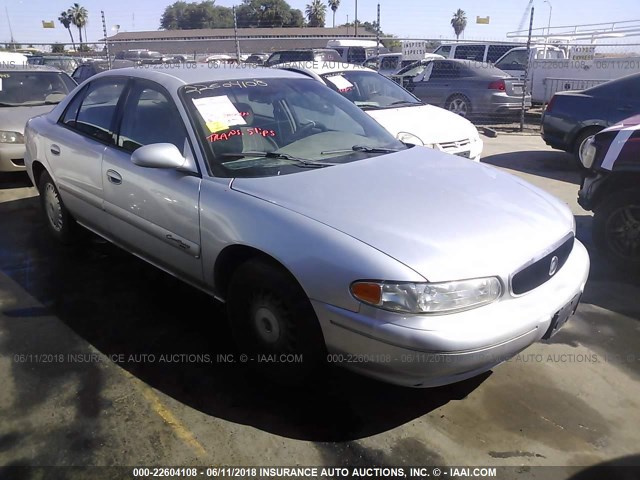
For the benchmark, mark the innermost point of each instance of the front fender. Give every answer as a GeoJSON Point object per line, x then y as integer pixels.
{"type": "Point", "coordinates": [324, 260]}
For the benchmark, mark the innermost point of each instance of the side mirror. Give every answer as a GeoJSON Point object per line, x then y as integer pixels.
{"type": "Point", "coordinates": [158, 155]}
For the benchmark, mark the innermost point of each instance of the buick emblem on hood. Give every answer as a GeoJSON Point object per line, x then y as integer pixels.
{"type": "Point", "coordinates": [553, 267]}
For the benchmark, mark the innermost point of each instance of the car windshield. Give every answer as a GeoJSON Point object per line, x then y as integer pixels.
{"type": "Point", "coordinates": [276, 126]}
{"type": "Point", "coordinates": [33, 88]}
{"type": "Point", "coordinates": [370, 90]}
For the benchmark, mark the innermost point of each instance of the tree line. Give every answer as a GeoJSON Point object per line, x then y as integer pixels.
{"type": "Point", "coordinates": [183, 15]}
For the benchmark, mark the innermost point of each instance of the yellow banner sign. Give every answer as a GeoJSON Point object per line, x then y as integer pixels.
{"type": "Point", "coordinates": [46, 24]}
{"type": "Point", "coordinates": [484, 20]}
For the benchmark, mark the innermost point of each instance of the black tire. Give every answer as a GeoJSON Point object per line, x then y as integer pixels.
{"type": "Point", "coordinates": [459, 104]}
{"type": "Point", "coordinates": [270, 314]}
{"type": "Point", "coordinates": [58, 219]}
{"type": "Point", "coordinates": [616, 229]}
{"type": "Point", "coordinates": [580, 138]}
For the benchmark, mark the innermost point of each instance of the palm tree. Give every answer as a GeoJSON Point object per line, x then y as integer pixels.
{"type": "Point", "coordinates": [79, 17]}
{"type": "Point", "coordinates": [459, 22]}
{"type": "Point", "coordinates": [334, 4]}
{"type": "Point", "coordinates": [316, 12]}
{"type": "Point", "coordinates": [65, 20]}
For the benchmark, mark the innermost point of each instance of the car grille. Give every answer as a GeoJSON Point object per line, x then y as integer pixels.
{"type": "Point", "coordinates": [460, 148]}
{"type": "Point", "coordinates": [539, 272]}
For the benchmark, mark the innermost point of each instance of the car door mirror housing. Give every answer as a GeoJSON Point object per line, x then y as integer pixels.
{"type": "Point", "coordinates": [158, 155]}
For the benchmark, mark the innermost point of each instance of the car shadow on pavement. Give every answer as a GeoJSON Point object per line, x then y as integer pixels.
{"type": "Point", "coordinates": [175, 339]}
{"type": "Point", "coordinates": [554, 165]}
{"type": "Point", "coordinates": [623, 468]}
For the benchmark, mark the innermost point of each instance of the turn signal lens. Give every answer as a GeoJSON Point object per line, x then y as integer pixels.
{"type": "Point", "coordinates": [370, 293]}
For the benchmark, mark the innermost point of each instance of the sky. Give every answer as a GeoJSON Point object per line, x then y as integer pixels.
{"type": "Point", "coordinates": [403, 18]}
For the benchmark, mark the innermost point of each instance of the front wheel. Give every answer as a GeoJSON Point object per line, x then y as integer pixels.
{"type": "Point", "coordinates": [273, 322]}
{"type": "Point", "coordinates": [616, 229]}
{"type": "Point", "coordinates": [59, 221]}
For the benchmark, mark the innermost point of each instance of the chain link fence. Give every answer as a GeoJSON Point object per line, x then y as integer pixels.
{"type": "Point", "coordinates": [473, 89]}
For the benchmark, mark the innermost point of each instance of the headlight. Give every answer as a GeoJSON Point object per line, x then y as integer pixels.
{"type": "Point", "coordinates": [11, 137]}
{"type": "Point", "coordinates": [442, 297]}
{"type": "Point", "coordinates": [587, 152]}
{"type": "Point", "coordinates": [406, 137]}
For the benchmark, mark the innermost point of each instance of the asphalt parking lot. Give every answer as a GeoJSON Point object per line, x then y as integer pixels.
{"type": "Point", "coordinates": [103, 361]}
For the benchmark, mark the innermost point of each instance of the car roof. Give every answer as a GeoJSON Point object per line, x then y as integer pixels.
{"type": "Point", "coordinates": [174, 76]}
{"type": "Point", "coordinates": [30, 68]}
{"type": "Point", "coordinates": [323, 67]}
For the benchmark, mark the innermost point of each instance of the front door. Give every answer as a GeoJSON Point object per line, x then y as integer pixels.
{"type": "Point", "coordinates": [154, 212]}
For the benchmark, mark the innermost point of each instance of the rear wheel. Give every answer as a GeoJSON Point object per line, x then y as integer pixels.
{"type": "Point", "coordinates": [272, 319]}
{"type": "Point", "coordinates": [579, 141]}
{"type": "Point", "coordinates": [59, 221]}
{"type": "Point", "coordinates": [616, 229]}
{"type": "Point", "coordinates": [459, 104]}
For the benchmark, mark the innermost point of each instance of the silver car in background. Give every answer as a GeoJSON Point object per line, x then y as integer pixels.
{"type": "Point", "coordinates": [25, 91]}
{"type": "Point", "coordinates": [328, 239]}
{"type": "Point", "coordinates": [464, 87]}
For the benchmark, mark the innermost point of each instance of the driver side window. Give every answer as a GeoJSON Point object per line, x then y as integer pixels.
{"type": "Point", "coordinates": [150, 117]}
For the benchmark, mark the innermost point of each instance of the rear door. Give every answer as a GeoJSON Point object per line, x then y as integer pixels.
{"type": "Point", "coordinates": [627, 102]}
{"type": "Point", "coordinates": [74, 150]}
{"type": "Point", "coordinates": [154, 212]}
{"type": "Point", "coordinates": [439, 79]}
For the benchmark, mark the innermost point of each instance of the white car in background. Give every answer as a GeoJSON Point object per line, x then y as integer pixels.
{"type": "Point", "coordinates": [403, 115]}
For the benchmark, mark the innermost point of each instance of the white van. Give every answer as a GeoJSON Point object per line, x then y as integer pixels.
{"type": "Point", "coordinates": [356, 51]}
{"type": "Point", "coordinates": [478, 52]}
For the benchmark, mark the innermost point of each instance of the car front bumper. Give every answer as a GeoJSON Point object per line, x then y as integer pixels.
{"type": "Point", "coordinates": [12, 157]}
{"type": "Point", "coordinates": [432, 350]}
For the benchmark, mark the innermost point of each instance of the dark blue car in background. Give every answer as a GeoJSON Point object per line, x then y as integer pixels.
{"type": "Point", "coordinates": [572, 117]}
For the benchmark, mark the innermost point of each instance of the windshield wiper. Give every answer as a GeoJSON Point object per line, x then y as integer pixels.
{"type": "Point", "coordinates": [283, 156]}
{"type": "Point", "coordinates": [365, 106]}
{"type": "Point", "coordinates": [405, 102]}
{"type": "Point", "coordinates": [361, 148]}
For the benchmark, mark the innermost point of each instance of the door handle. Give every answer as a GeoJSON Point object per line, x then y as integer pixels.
{"type": "Point", "coordinates": [114, 177]}
{"type": "Point", "coordinates": [55, 149]}
{"type": "Point", "coordinates": [625, 108]}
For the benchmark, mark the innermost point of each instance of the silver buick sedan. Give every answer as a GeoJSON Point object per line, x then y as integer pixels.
{"type": "Point", "coordinates": [329, 240]}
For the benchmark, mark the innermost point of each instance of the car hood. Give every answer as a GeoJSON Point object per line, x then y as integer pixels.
{"type": "Point", "coordinates": [14, 119]}
{"type": "Point", "coordinates": [446, 218]}
{"type": "Point", "coordinates": [429, 123]}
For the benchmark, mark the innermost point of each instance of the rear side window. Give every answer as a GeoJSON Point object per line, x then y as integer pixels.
{"type": "Point", "coordinates": [470, 52]}
{"type": "Point", "coordinates": [445, 70]}
{"type": "Point", "coordinates": [94, 114]}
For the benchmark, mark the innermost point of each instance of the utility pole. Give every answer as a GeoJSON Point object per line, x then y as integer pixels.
{"type": "Point", "coordinates": [378, 33]}
{"type": "Point", "coordinates": [106, 42]}
{"type": "Point", "coordinates": [235, 34]}
{"type": "Point", "coordinates": [355, 23]}
{"type": "Point", "coordinates": [526, 72]}
{"type": "Point", "coordinates": [6, 10]}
